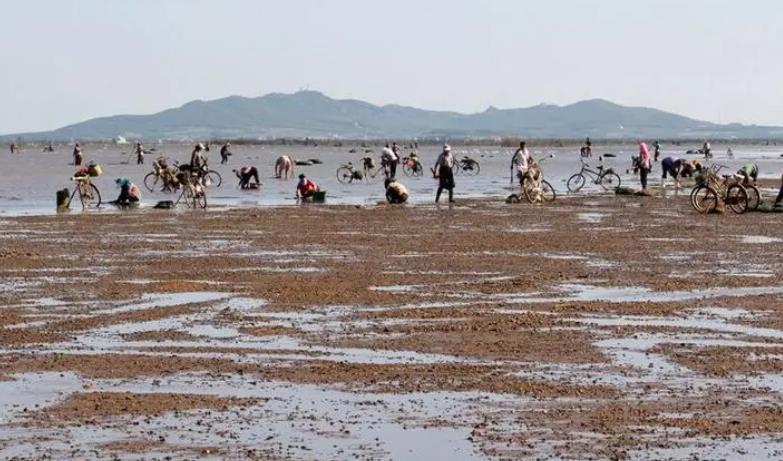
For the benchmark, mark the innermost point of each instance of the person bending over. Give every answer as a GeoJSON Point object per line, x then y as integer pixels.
{"type": "Point", "coordinates": [749, 171]}
{"type": "Point", "coordinates": [130, 193]}
{"type": "Point", "coordinates": [245, 174]}
{"type": "Point", "coordinates": [676, 168]}
{"type": "Point", "coordinates": [395, 192]}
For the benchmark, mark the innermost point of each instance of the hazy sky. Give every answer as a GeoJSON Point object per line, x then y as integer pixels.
{"type": "Point", "coordinates": [68, 60]}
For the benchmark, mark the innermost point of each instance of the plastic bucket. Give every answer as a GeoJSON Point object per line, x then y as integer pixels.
{"type": "Point", "coordinates": [319, 196]}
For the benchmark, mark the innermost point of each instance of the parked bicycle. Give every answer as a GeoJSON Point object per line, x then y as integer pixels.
{"type": "Point", "coordinates": [466, 166]}
{"type": "Point", "coordinates": [711, 189]}
{"type": "Point", "coordinates": [411, 166]}
{"type": "Point", "coordinates": [89, 195]}
{"type": "Point", "coordinates": [193, 194]}
{"type": "Point", "coordinates": [347, 174]}
{"type": "Point", "coordinates": [605, 177]}
{"type": "Point", "coordinates": [534, 187]}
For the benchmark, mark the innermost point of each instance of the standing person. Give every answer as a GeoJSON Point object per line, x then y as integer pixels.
{"type": "Point", "coordinates": [139, 154]}
{"type": "Point", "coordinates": [389, 159]}
{"type": "Point", "coordinates": [77, 154]}
{"type": "Point", "coordinates": [644, 163]}
{"type": "Point", "coordinates": [225, 152]}
{"type": "Point", "coordinates": [198, 160]}
{"type": "Point", "coordinates": [520, 162]}
{"type": "Point", "coordinates": [707, 150]}
{"type": "Point", "coordinates": [779, 199]}
{"type": "Point", "coordinates": [657, 148]}
{"type": "Point", "coordinates": [13, 148]}
{"type": "Point", "coordinates": [444, 167]}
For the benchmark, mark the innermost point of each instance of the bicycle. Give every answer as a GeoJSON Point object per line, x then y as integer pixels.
{"type": "Point", "coordinates": [412, 167]}
{"type": "Point", "coordinates": [605, 177]}
{"type": "Point", "coordinates": [710, 189]}
{"type": "Point", "coordinates": [163, 174]}
{"type": "Point", "coordinates": [534, 187]}
{"type": "Point", "coordinates": [193, 193]}
{"type": "Point", "coordinates": [467, 166]}
{"type": "Point", "coordinates": [347, 174]}
{"type": "Point", "coordinates": [89, 195]}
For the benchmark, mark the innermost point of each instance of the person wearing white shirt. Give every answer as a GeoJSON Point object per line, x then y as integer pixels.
{"type": "Point", "coordinates": [520, 163]}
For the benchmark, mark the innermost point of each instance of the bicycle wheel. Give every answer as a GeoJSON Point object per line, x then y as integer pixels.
{"type": "Point", "coordinates": [213, 178]}
{"type": "Point", "coordinates": [754, 197]}
{"type": "Point", "coordinates": [150, 181]}
{"type": "Point", "coordinates": [610, 181]}
{"type": "Point", "coordinates": [472, 168]}
{"type": "Point", "coordinates": [456, 168]}
{"type": "Point", "coordinates": [704, 199]}
{"type": "Point", "coordinates": [344, 175]}
{"type": "Point", "coordinates": [548, 193]}
{"type": "Point", "coordinates": [737, 198]}
{"type": "Point", "coordinates": [576, 182]}
{"type": "Point", "coordinates": [90, 196]}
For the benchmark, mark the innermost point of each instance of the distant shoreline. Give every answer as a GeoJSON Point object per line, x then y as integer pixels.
{"type": "Point", "coordinates": [380, 142]}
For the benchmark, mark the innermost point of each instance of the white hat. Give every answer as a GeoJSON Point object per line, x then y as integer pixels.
{"type": "Point", "coordinates": [446, 148]}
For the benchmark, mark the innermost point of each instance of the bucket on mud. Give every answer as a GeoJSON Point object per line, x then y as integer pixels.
{"type": "Point", "coordinates": [319, 196]}
{"type": "Point", "coordinates": [62, 198]}
{"type": "Point", "coordinates": [94, 170]}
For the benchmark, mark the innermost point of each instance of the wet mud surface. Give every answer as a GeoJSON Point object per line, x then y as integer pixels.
{"type": "Point", "coordinates": [594, 328]}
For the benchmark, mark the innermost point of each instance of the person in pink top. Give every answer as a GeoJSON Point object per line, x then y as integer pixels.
{"type": "Point", "coordinates": [644, 163]}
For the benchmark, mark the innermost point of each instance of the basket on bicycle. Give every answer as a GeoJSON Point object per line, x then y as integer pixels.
{"type": "Point", "coordinates": [94, 170]}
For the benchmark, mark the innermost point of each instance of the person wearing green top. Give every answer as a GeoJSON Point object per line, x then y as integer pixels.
{"type": "Point", "coordinates": [748, 171]}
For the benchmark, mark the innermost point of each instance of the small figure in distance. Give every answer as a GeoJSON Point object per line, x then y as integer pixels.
{"type": "Point", "coordinates": [396, 193]}
{"type": "Point", "coordinates": [77, 154]}
{"type": "Point", "coordinates": [139, 154]}
{"type": "Point", "coordinates": [245, 174]}
{"type": "Point", "coordinates": [225, 153]}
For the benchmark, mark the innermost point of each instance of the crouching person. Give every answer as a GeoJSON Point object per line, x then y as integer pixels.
{"type": "Point", "coordinates": [305, 188]}
{"type": "Point", "coordinates": [395, 192]}
{"type": "Point", "coordinates": [245, 174]}
{"type": "Point", "coordinates": [130, 194]}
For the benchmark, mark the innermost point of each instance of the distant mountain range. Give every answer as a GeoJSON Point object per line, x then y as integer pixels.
{"type": "Point", "coordinates": [313, 114]}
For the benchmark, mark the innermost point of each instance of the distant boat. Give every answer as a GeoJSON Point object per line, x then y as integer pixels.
{"type": "Point", "coordinates": [120, 140]}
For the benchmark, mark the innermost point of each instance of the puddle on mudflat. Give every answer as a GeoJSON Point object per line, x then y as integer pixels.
{"type": "Point", "coordinates": [306, 422]}
{"type": "Point", "coordinates": [757, 239]}
{"type": "Point", "coordinates": [29, 391]}
{"type": "Point", "coordinates": [152, 300]}
{"type": "Point", "coordinates": [592, 218]}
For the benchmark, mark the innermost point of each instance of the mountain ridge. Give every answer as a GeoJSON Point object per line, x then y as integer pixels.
{"type": "Point", "coordinates": [313, 114]}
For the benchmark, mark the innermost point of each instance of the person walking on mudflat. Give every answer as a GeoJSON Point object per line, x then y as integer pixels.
{"type": "Point", "coordinates": [444, 168]}
{"type": "Point", "coordinates": [644, 163]}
